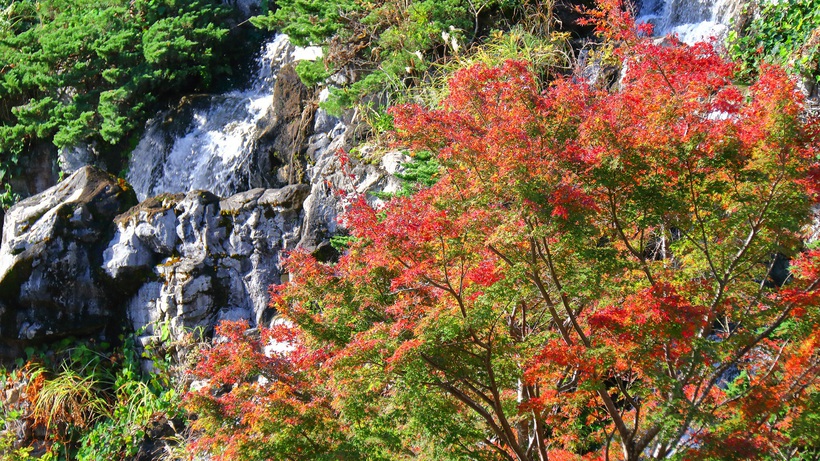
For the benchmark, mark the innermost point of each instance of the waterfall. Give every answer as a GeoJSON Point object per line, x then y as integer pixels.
{"type": "Point", "coordinates": [691, 20]}
{"type": "Point", "coordinates": [206, 142]}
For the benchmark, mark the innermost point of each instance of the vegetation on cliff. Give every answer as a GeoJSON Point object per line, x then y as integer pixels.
{"type": "Point", "coordinates": [786, 33]}
{"type": "Point", "coordinates": [92, 402]}
{"type": "Point", "coordinates": [90, 72]}
{"type": "Point", "coordinates": [384, 53]}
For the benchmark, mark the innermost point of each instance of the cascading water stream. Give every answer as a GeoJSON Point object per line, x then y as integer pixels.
{"type": "Point", "coordinates": [691, 20]}
{"type": "Point", "coordinates": [206, 142]}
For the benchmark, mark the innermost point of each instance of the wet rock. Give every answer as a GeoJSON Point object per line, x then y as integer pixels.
{"type": "Point", "coordinates": [203, 259]}
{"type": "Point", "coordinates": [279, 156]}
{"type": "Point", "coordinates": [81, 257]}
{"type": "Point", "coordinates": [51, 249]}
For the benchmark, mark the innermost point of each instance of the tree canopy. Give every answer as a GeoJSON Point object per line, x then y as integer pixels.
{"type": "Point", "coordinates": [91, 71]}
{"type": "Point", "coordinates": [597, 274]}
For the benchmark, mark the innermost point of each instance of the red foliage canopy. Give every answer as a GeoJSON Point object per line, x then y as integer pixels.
{"type": "Point", "coordinates": [596, 268]}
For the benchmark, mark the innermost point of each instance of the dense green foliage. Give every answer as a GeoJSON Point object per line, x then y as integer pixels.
{"type": "Point", "coordinates": [383, 49]}
{"type": "Point", "coordinates": [784, 32]}
{"type": "Point", "coordinates": [93, 401]}
{"type": "Point", "coordinates": [91, 71]}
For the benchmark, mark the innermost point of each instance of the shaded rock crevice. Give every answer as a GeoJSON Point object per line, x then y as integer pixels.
{"type": "Point", "coordinates": [280, 154]}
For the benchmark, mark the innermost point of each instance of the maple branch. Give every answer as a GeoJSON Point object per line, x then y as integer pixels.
{"type": "Point", "coordinates": [316, 446]}
{"type": "Point", "coordinates": [608, 436]}
{"type": "Point", "coordinates": [503, 427]}
{"type": "Point", "coordinates": [448, 288]}
{"type": "Point", "coordinates": [561, 386]}
{"type": "Point", "coordinates": [755, 227]}
{"type": "Point", "coordinates": [540, 430]}
{"type": "Point", "coordinates": [802, 387]}
{"type": "Point", "coordinates": [633, 403]}
{"type": "Point", "coordinates": [696, 402]}
{"type": "Point", "coordinates": [536, 279]}
{"type": "Point", "coordinates": [546, 256]}
{"type": "Point", "coordinates": [746, 391]}
{"type": "Point", "coordinates": [500, 450]}
{"type": "Point", "coordinates": [480, 394]}
{"type": "Point", "coordinates": [464, 398]}
{"type": "Point", "coordinates": [504, 257]}
{"type": "Point", "coordinates": [551, 306]}
{"type": "Point", "coordinates": [616, 222]}
{"type": "Point", "coordinates": [647, 437]}
{"type": "Point", "coordinates": [747, 243]}
{"type": "Point", "coordinates": [667, 361]}
{"type": "Point", "coordinates": [464, 349]}
{"type": "Point", "coordinates": [663, 74]}
{"type": "Point", "coordinates": [696, 210]}
{"type": "Point", "coordinates": [563, 295]}
{"type": "Point", "coordinates": [502, 419]}
{"type": "Point", "coordinates": [798, 387]}
{"type": "Point", "coordinates": [612, 410]}
{"type": "Point", "coordinates": [775, 360]}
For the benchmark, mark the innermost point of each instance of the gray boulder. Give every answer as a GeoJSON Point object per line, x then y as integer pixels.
{"type": "Point", "coordinates": [52, 245]}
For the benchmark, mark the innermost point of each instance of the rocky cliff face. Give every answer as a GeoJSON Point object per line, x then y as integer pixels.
{"type": "Point", "coordinates": [84, 259]}
{"type": "Point", "coordinates": [50, 283]}
{"type": "Point", "coordinates": [81, 259]}
{"type": "Point", "coordinates": [191, 260]}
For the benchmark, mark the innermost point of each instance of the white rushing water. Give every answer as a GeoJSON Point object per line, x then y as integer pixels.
{"type": "Point", "coordinates": [212, 151]}
{"type": "Point", "coordinates": [691, 20]}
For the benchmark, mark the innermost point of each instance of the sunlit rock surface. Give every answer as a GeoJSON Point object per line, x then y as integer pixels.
{"type": "Point", "coordinates": [50, 283]}
{"type": "Point", "coordinates": [191, 260]}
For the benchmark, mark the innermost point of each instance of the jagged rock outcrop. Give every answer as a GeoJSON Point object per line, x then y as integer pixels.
{"type": "Point", "coordinates": [50, 285]}
{"type": "Point", "coordinates": [191, 260]}
{"type": "Point", "coordinates": [371, 173]}
{"type": "Point", "coordinates": [75, 255]}
{"type": "Point", "coordinates": [82, 257]}
{"type": "Point", "coordinates": [279, 157]}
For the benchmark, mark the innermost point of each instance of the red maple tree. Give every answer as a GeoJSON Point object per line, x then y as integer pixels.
{"type": "Point", "coordinates": [597, 274]}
